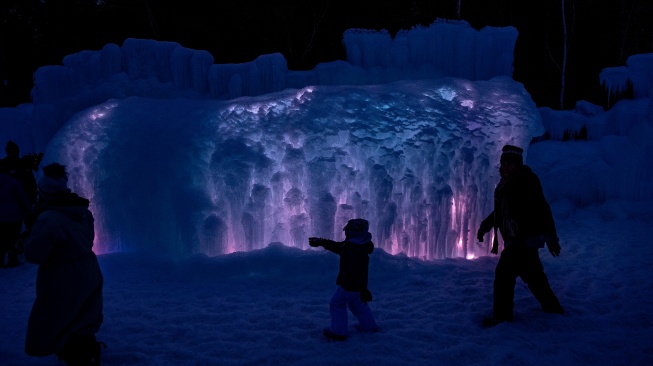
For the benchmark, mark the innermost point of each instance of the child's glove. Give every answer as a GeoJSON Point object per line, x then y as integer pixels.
{"type": "Point", "coordinates": [315, 242]}
{"type": "Point", "coordinates": [366, 296]}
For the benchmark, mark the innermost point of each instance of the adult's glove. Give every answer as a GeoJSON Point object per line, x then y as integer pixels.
{"type": "Point", "coordinates": [486, 226]}
{"type": "Point", "coordinates": [495, 247]}
{"type": "Point", "coordinates": [554, 246]}
{"type": "Point", "coordinates": [24, 235]}
{"type": "Point", "coordinates": [315, 242]}
{"type": "Point", "coordinates": [366, 296]}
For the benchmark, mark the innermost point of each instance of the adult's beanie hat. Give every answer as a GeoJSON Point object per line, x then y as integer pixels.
{"type": "Point", "coordinates": [54, 179]}
{"type": "Point", "coordinates": [512, 153]}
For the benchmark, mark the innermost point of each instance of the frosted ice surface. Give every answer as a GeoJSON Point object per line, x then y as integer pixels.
{"type": "Point", "coordinates": [418, 159]}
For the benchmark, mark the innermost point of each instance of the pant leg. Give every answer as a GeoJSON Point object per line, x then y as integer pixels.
{"type": "Point", "coordinates": [532, 272]}
{"type": "Point", "coordinates": [9, 236]}
{"type": "Point", "coordinates": [338, 309]}
{"type": "Point", "coordinates": [505, 277]}
{"type": "Point", "coordinates": [80, 350]}
{"type": "Point", "coordinates": [362, 312]}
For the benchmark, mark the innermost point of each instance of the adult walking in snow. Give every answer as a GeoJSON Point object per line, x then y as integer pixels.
{"type": "Point", "coordinates": [524, 219]}
{"type": "Point", "coordinates": [67, 312]}
{"type": "Point", "coordinates": [352, 279]}
{"type": "Point", "coordinates": [20, 169]}
{"type": "Point", "coordinates": [14, 204]}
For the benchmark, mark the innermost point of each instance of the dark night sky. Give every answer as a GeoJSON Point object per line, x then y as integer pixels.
{"type": "Point", "coordinates": [602, 33]}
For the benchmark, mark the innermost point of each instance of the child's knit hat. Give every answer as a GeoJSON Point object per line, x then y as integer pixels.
{"type": "Point", "coordinates": [357, 231]}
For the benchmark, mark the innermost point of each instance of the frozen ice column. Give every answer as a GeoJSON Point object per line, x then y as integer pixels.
{"type": "Point", "coordinates": [418, 159]}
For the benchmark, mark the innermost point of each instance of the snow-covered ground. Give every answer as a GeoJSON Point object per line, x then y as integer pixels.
{"type": "Point", "coordinates": [268, 307]}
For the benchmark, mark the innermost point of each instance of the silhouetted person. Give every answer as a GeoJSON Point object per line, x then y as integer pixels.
{"type": "Point", "coordinates": [352, 289]}
{"type": "Point", "coordinates": [14, 204]}
{"type": "Point", "coordinates": [21, 169]}
{"type": "Point", "coordinates": [67, 312]}
{"type": "Point", "coordinates": [524, 219]}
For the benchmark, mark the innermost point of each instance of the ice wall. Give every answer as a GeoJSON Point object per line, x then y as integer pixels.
{"type": "Point", "coordinates": [450, 48]}
{"type": "Point", "coordinates": [638, 74]}
{"type": "Point", "coordinates": [139, 66]}
{"type": "Point", "coordinates": [417, 158]}
{"type": "Point", "coordinates": [153, 69]}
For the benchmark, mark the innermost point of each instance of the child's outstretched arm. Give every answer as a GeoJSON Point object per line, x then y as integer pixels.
{"type": "Point", "coordinates": [330, 245]}
{"type": "Point", "coordinates": [316, 242]}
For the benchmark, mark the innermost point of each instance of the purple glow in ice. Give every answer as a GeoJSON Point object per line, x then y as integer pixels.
{"type": "Point", "coordinates": [416, 158]}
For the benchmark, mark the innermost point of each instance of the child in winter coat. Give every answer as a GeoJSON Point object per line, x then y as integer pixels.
{"type": "Point", "coordinates": [352, 289]}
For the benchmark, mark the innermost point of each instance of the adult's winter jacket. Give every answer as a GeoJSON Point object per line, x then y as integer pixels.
{"type": "Point", "coordinates": [69, 280]}
{"type": "Point", "coordinates": [521, 211]}
{"type": "Point", "coordinates": [13, 199]}
{"type": "Point", "coordinates": [16, 168]}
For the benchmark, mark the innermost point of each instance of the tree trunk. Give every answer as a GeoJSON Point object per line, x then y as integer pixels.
{"type": "Point", "coordinates": [563, 66]}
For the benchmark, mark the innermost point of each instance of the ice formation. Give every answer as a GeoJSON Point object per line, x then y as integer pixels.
{"type": "Point", "coordinates": [181, 155]}
{"type": "Point", "coordinates": [418, 159]}
{"type": "Point", "coordinates": [638, 74]}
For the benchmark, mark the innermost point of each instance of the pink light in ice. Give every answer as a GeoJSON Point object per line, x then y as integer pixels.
{"type": "Point", "coordinates": [416, 158]}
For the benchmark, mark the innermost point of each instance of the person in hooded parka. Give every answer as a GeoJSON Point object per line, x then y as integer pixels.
{"type": "Point", "coordinates": [67, 312]}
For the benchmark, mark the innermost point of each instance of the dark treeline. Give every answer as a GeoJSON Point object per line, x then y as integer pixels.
{"type": "Point", "coordinates": [599, 34]}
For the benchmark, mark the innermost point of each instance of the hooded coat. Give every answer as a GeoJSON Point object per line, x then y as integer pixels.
{"type": "Point", "coordinates": [69, 280]}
